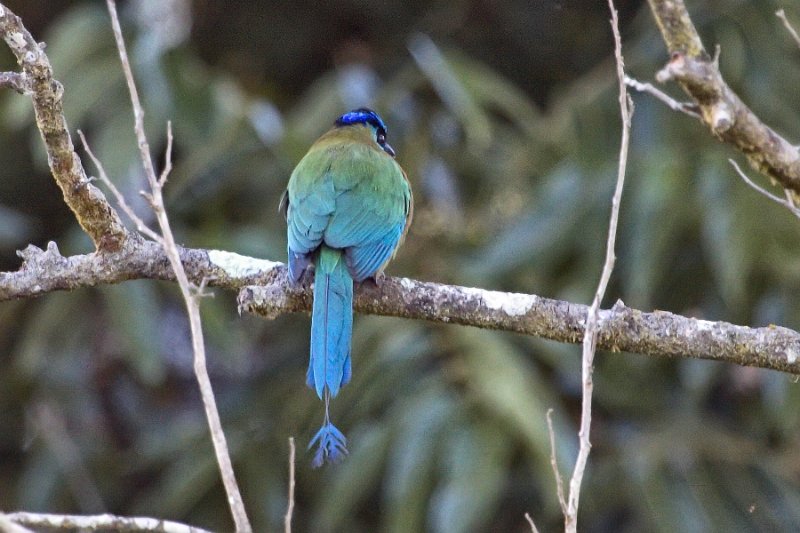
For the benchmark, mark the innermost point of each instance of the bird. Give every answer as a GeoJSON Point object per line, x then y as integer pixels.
{"type": "Point", "coordinates": [348, 206]}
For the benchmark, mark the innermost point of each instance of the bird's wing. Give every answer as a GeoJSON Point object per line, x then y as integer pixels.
{"type": "Point", "coordinates": [311, 200]}
{"type": "Point", "coordinates": [372, 207]}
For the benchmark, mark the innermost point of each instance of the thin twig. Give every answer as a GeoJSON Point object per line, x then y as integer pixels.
{"type": "Point", "coordinates": [95, 215]}
{"type": "Point", "coordinates": [723, 112]}
{"type": "Point", "coordinates": [102, 522]}
{"type": "Point", "coordinates": [167, 157]}
{"type": "Point", "coordinates": [287, 520]}
{"type": "Point", "coordinates": [192, 305]}
{"type": "Point", "coordinates": [689, 108]}
{"type": "Point", "coordinates": [781, 15]}
{"type": "Point", "coordinates": [530, 522]}
{"type": "Point", "coordinates": [118, 196]}
{"type": "Point", "coordinates": [787, 202]}
{"type": "Point", "coordinates": [590, 334]}
{"type": "Point", "coordinates": [554, 463]}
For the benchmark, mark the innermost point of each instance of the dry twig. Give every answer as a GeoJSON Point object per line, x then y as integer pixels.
{"type": "Point", "coordinates": [722, 111]}
{"type": "Point", "coordinates": [531, 523]}
{"type": "Point", "coordinates": [592, 316]}
{"type": "Point", "coordinates": [787, 202]}
{"type": "Point", "coordinates": [118, 196]}
{"type": "Point", "coordinates": [782, 15]}
{"type": "Point", "coordinates": [562, 500]}
{"type": "Point", "coordinates": [684, 107]}
{"type": "Point", "coordinates": [189, 295]}
{"type": "Point", "coordinates": [95, 215]}
{"type": "Point", "coordinates": [287, 520]}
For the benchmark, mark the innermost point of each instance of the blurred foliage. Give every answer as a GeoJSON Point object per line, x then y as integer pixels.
{"type": "Point", "coordinates": [505, 116]}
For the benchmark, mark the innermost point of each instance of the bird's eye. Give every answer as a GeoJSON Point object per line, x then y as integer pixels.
{"type": "Point", "coordinates": [381, 138]}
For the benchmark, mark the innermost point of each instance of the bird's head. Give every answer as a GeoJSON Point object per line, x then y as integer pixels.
{"type": "Point", "coordinates": [367, 117]}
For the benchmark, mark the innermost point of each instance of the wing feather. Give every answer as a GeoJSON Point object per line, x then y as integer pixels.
{"type": "Point", "coordinates": [359, 203]}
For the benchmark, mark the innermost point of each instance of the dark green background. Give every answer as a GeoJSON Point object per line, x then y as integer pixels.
{"type": "Point", "coordinates": [512, 157]}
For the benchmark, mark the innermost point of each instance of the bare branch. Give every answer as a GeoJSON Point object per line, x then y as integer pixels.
{"type": "Point", "coordinates": [787, 202]}
{"type": "Point", "coordinates": [592, 316]}
{"type": "Point", "coordinates": [722, 111]}
{"type": "Point", "coordinates": [677, 28]}
{"type": "Point", "coordinates": [190, 297]}
{"type": "Point", "coordinates": [562, 500]}
{"type": "Point", "coordinates": [530, 522]}
{"type": "Point", "coordinates": [15, 81]}
{"type": "Point", "coordinates": [45, 271]}
{"type": "Point", "coordinates": [266, 291]}
{"type": "Point", "coordinates": [127, 209]}
{"type": "Point", "coordinates": [167, 158]}
{"type": "Point", "coordinates": [101, 522]}
{"type": "Point", "coordinates": [621, 328]}
{"type": "Point", "coordinates": [97, 218]}
{"type": "Point", "coordinates": [7, 526]}
{"type": "Point", "coordinates": [684, 107]}
{"type": "Point", "coordinates": [781, 15]}
{"type": "Point", "coordinates": [287, 520]}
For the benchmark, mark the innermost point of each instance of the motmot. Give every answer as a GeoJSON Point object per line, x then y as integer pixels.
{"type": "Point", "coordinates": [348, 207]}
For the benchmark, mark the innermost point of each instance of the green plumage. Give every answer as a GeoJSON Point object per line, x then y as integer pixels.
{"type": "Point", "coordinates": [348, 205]}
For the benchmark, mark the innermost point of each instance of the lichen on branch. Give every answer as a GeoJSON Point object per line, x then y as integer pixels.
{"type": "Point", "coordinates": [621, 328]}
{"type": "Point", "coordinates": [721, 110]}
{"type": "Point", "coordinates": [95, 215]}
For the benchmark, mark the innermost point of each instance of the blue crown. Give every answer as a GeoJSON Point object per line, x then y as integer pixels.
{"type": "Point", "coordinates": [362, 115]}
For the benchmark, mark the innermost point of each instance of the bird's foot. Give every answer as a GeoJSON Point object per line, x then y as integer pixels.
{"type": "Point", "coordinates": [378, 279]}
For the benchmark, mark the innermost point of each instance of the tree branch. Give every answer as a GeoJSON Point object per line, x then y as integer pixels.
{"type": "Point", "coordinates": [15, 81]}
{"type": "Point", "coordinates": [788, 25]}
{"type": "Point", "coordinates": [621, 328]}
{"type": "Point", "coordinates": [788, 202]}
{"type": "Point", "coordinates": [101, 522]}
{"type": "Point", "coordinates": [45, 271]}
{"type": "Point", "coordinates": [721, 110]}
{"type": "Point", "coordinates": [265, 291]}
{"type": "Point", "coordinates": [190, 293]}
{"type": "Point", "coordinates": [287, 519]}
{"type": "Point", "coordinates": [592, 326]}
{"type": "Point", "coordinates": [684, 107]}
{"type": "Point", "coordinates": [95, 215]}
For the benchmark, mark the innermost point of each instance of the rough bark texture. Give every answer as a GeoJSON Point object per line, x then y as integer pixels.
{"type": "Point", "coordinates": [621, 328]}
{"type": "Point", "coordinates": [94, 213]}
{"type": "Point", "coordinates": [14, 80]}
{"type": "Point", "coordinates": [722, 111]}
{"type": "Point", "coordinates": [104, 522]}
{"type": "Point", "coordinates": [44, 271]}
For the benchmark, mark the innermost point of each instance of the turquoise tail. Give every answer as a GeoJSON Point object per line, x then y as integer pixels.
{"type": "Point", "coordinates": [331, 324]}
{"type": "Point", "coordinates": [331, 330]}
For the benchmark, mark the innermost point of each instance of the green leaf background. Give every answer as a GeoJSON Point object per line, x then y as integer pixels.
{"type": "Point", "coordinates": [512, 179]}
